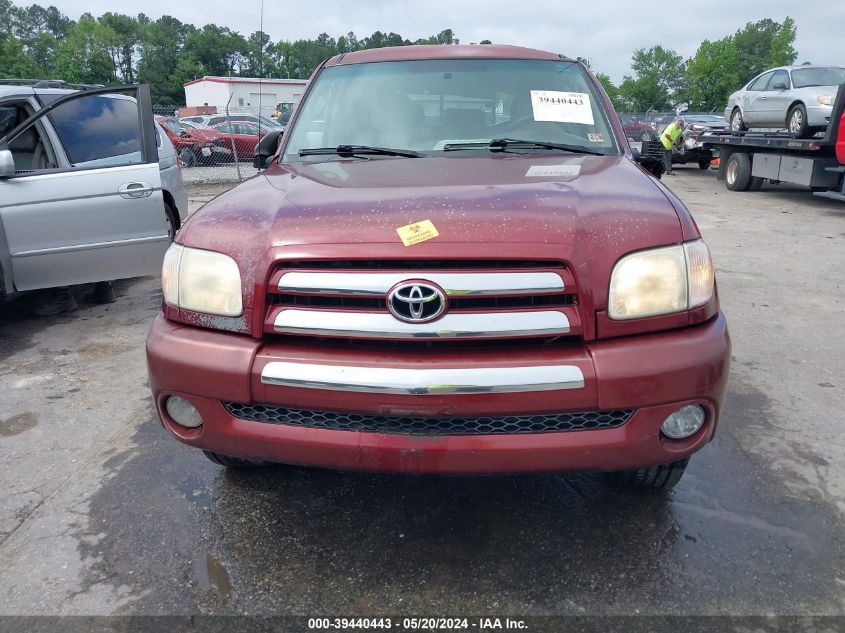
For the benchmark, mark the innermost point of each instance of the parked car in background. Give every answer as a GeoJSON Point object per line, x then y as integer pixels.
{"type": "Point", "coordinates": [195, 146]}
{"type": "Point", "coordinates": [796, 98]}
{"type": "Point", "coordinates": [244, 134]}
{"type": "Point", "coordinates": [217, 119]}
{"type": "Point", "coordinates": [82, 194]}
{"type": "Point", "coordinates": [692, 150]}
{"type": "Point", "coordinates": [636, 129]}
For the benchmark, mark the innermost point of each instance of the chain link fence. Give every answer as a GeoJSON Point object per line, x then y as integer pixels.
{"type": "Point", "coordinates": [215, 148]}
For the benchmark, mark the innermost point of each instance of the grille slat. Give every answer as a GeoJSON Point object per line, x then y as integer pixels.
{"type": "Point", "coordinates": [412, 425]}
{"type": "Point", "coordinates": [418, 264]}
{"type": "Point", "coordinates": [462, 303]}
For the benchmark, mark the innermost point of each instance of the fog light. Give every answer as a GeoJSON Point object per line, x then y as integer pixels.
{"type": "Point", "coordinates": [183, 412]}
{"type": "Point", "coordinates": [684, 422]}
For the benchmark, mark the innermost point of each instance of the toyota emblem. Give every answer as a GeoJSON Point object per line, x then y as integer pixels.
{"type": "Point", "coordinates": [416, 302]}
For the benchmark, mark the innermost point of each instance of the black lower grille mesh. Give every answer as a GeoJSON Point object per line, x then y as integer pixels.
{"type": "Point", "coordinates": [407, 425]}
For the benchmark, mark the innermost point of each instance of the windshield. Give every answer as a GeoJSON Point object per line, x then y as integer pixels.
{"type": "Point", "coordinates": [805, 77]}
{"type": "Point", "coordinates": [176, 126]}
{"type": "Point", "coordinates": [424, 105]}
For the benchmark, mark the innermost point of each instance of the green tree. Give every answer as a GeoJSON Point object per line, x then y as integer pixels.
{"type": "Point", "coordinates": [611, 90]}
{"type": "Point", "coordinates": [84, 55]}
{"type": "Point", "coordinates": [161, 42]}
{"type": "Point", "coordinates": [14, 61]}
{"type": "Point", "coordinates": [122, 44]}
{"type": "Point", "coordinates": [764, 44]}
{"type": "Point", "coordinates": [657, 80]}
{"type": "Point", "coordinates": [713, 74]}
{"type": "Point", "coordinates": [218, 49]}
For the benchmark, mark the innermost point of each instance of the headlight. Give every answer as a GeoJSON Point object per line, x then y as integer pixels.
{"type": "Point", "coordinates": [828, 101]}
{"type": "Point", "coordinates": [661, 281]}
{"type": "Point", "coordinates": [202, 281]}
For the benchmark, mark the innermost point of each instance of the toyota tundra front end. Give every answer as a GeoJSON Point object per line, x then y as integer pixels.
{"type": "Point", "coordinates": [451, 264]}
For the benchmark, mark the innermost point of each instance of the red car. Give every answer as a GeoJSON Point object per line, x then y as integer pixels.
{"type": "Point", "coordinates": [243, 134]}
{"type": "Point", "coordinates": [636, 129]}
{"type": "Point", "coordinates": [453, 263]}
{"type": "Point", "coordinates": [195, 145]}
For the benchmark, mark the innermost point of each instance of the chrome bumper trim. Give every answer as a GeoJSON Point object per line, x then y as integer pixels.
{"type": "Point", "coordinates": [377, 325]}
{"type": "Point", "coordinates": [423, 382]}
{"type": "Point", "coordinates": [455, 284]}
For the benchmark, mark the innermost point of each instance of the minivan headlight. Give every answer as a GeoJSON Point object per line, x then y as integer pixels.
{"type": "Point", "coordinates": [202, 281]}
{"type": "Point", "coordinates": [661, 281]}
{"type": "Point", "coordinates": [825, 100]}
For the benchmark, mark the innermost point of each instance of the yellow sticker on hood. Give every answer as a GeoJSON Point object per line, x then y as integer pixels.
{"type": "Point", "coordinates": [417, 232]}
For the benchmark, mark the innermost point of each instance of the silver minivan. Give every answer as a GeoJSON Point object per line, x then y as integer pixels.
{"type": "Point", "coordinates": [81, 195]}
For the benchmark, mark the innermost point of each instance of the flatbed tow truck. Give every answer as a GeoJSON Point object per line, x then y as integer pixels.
{"type": "Point", "coordinates": [748, 159]}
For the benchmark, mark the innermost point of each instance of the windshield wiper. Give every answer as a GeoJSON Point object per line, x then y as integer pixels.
{"type": "Point", "coordinates": [503, 144]}
{"type": "Point", "coordinates": [359, 150]}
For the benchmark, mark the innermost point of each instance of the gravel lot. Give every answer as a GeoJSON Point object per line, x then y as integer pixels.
{"type": "Point", "coordinates": [103, 513]}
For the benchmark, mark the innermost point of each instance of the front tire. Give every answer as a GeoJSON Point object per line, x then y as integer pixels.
{"type": "Point", "coordinates": [172, 219]}
{"type": "Point", "coordinates": [796, 121]}
{"type": "Point", "coordinates": [663, 477]}
{"type": "Point", "coordinates": [704, 164]}
{"type": "Point", "coordinates": [233, 462]}
{"type": "Point", "coordinates": [738, 172]}
{"type": "Point", "coordinates": [737, 122]}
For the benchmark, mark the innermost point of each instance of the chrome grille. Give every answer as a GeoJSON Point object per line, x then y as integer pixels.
{"type": "Point", "coordinates": [416, 425]}
{"type": "Point", "coordinates": [498, 299]}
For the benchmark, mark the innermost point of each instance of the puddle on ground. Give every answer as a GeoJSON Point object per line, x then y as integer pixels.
{"type": "Point", "coordinates": [17, 424]}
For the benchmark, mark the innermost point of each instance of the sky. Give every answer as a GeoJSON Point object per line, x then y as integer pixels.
{"type": "Point", "coordinates": [605, 31]}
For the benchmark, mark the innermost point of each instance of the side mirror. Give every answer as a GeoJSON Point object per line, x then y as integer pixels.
{"type": "Point", "coordinates": [266, 148]}
{"type": "Point", "coordinates": [779, 86]}
{"type": "Point", "coordinates": [7, 163]}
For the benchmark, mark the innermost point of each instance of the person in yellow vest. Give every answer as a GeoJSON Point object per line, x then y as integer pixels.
{"type": "Point", "coordinates": [672, 136]}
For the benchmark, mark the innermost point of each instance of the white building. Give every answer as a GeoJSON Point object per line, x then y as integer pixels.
{"type": "Point", "coordinates": [243, 93]}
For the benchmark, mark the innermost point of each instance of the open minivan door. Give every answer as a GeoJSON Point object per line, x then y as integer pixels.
{"type": "Point", "coordinates": [80, 191]}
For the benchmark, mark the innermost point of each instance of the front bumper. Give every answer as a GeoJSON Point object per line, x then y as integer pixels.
{"type": "Point", "coordinates": [208, 368]}
{"type": "Point", "coordinates": [818, 115]}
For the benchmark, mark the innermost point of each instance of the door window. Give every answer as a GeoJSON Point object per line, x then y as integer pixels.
{"type": "Point", "coordinates": [760, 83]}
{"type": "Point", "coordinates": [779, 77]}
{"type": "Point", "coordinates": [99, 131]}
{"type": "Point", "coordinates": [225, 129]}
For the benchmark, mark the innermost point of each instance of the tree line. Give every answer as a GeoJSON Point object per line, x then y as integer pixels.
{"type": "Point", "coordinates": [661, 79]}
{"type": "Point", "coordinates": [42, 42]}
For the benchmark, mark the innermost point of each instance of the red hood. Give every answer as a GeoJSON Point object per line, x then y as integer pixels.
{"type": "Point", "coordinates": [588, 210]}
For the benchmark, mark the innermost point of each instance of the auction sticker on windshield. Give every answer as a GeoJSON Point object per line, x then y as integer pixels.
{"type": "Point", "coordinates": [417, 232]}
{"type": "Point", "coordinates": [562, 107]}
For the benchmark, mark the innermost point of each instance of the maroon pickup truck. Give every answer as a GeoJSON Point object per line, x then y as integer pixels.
{"type": "Point", "coordinates": [452, 263]}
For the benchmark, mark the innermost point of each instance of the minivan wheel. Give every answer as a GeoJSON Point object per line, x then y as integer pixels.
{"type": "Point", "coordinates": [796, 121]}
{"type": "Point", "coordinates": [171, 218]}
{"type": "Point", "coordinates": [233, 462]}
{"type": "Point", "coordinates": [662, 477]}
{"type": "Point", "coordinates": [737, 124]}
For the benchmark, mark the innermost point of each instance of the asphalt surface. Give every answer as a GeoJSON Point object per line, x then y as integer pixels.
{"type": "Point", "coordinates": [103, 513]}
